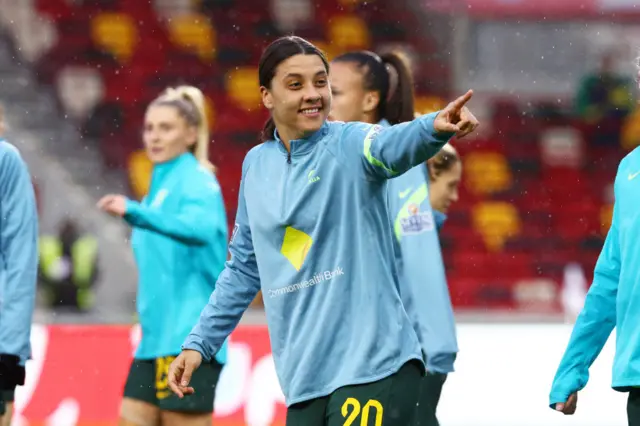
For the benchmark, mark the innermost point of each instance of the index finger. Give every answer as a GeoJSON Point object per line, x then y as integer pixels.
{"type": "Point", "coordinates": [459, 103]}
{"type": "Point", "coordinates": [173, 383]}
{"type": "Point", "coordinates": [104, 201]}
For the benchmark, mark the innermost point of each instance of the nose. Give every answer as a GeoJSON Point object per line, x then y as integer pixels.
{"type": "Point", "coordinates": [454, 196]}
{"type": "Point", "coordinates": [311, 95]}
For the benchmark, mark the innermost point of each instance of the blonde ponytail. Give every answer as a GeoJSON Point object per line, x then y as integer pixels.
{"type": "Point", "coordinates": [197, 116]}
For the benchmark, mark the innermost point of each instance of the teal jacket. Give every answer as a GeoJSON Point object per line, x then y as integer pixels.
{"type": "Point", "coordinates": [312, 231]}
{"type": "Point", "coordinates": [423, 283]}
{"type": "Point", "coordinates": [18, 253]}
{"type": "Point", "coordinates": [613, 299]}
{"type": "Point", "coordinates": [180, 246]}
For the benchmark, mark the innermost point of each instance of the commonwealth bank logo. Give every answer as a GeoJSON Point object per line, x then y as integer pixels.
{"type": "Point", "coordinates": [295, 246]}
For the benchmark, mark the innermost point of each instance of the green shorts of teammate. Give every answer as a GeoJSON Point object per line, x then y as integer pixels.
{"type": "Point", "coordinates": [148, 382]}
{"type": "Point", "coordinates": [6, 396]}
{"type": "Point", "coordinates": [430, 392]}
{"type": "Point", "coordinates": [391, 401]}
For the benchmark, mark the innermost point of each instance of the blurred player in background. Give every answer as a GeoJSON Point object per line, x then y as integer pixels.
{"type": "Point", "coordinates": [180, 245]}
{"type": "Point", "coordinates": [18, 270]}
{"type": "Point", "coordinates": [612, 301]}
{"type": "Point", "coordinates": [312, 229]}
{"type": "Point", "coordinates": [379, 89]}
{"type": "Point", "coordinates": [445, 175]}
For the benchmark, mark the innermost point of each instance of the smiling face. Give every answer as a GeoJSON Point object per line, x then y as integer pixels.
{"type": "Point", "coordinates": [299, 97]}
{"type": "Point", "coordinates": [166, 133]}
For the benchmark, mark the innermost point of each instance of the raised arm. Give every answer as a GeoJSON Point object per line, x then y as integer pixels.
{"type": "Point", "coordinates": [18, 257]}
{"type": "Point", "coordinates": [236, 287]}
{"type": "Point", "coordinates": [200, 219]}
{"type": "Point", "coordinates": [594, 324]}
{"type": "Point", "coordinates": [386, 152]}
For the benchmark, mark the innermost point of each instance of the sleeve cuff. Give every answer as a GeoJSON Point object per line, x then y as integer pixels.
{"type": "Point", "coordinates": [198, 346]}
{"type": "Point", "coordinates": [131, 211]}
{"type": "Point", "coordinates": [558, 396]}
{"type": "Point", "coordinates": [439, 136]}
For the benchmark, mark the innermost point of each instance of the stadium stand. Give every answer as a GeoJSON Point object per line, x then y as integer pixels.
{"type": "Point", "coordinates": [518, 218]}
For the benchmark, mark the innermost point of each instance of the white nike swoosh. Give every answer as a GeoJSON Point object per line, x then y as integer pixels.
{"type": "Point", "coordinates": [404, 193]}
{"type": "Point", "coordinates": [633, 176]}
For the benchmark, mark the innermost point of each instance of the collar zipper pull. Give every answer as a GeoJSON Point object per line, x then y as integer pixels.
{"type": "Point", "coordinates": [289, 158]}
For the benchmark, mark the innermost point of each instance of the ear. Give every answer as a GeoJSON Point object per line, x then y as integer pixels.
{"type": "Point", "coordinates": [433, 174]}
{"type": "Point", "coordinates": [370, 101]}
{"type": "Point", "coordinates": [267, 98]}
{"type": "Point", "coordinates": [192, 137]}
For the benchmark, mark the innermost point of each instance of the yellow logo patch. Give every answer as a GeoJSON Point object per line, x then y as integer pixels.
{"type": "Point", "coordinates": [295, 246]}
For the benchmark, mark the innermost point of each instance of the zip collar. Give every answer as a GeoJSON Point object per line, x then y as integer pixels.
{"type": "Point", "coordinates": [384, 123]}
{"type": "Point", "coordinates": [300, 147]}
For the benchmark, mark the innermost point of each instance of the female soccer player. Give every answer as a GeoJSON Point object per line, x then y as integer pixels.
{"type": "Point", "coordinates": [612, 301]}
{"type": "Point", "coordinates": [18, 270]}
{"type": "Point", "coordinates": [179, 240]}
{"type": "Point", "coordinates": [312, 232]}
{"type": "Point", "coordinates": [379, 89]}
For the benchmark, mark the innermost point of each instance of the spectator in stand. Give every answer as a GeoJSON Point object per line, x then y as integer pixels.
{"type": "Point", "coordinates": [604, 99]}
{"type": "Point", "coordinates": [69, 267]}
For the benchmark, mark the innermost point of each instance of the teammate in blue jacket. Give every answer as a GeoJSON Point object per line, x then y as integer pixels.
{"type": "Point", "coordinates": [612, 301]}
{"type": "Point", "coordinates": [312, 231]}
{"type": "Point", "coordinates": [180, 245]}
{"type": "Point", "coordinates": [18, 271]}
{"type": "Point", "coordinates": [379, 89]}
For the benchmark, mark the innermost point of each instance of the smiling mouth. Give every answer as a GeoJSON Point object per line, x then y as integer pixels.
{"type": "Point", "coordinates": [310, 111]}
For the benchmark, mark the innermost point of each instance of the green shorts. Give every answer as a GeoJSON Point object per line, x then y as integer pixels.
{"type": "Point", "coordinates": [148, 382]}
{"type": "Point", "coordinates": [6, 396]}
{"type": "Point", "coordinates": [391, 401]}
{"type": "Point", "coordinates": [430, 392]}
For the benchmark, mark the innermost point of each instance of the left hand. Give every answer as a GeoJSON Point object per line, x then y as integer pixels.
{"type": "Point", "coordinates": [115, 205]}
{"type": "Point", "coordinates": [456, 117]}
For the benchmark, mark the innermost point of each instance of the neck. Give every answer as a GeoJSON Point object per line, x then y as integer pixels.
{"type": "Point", "coordinates": [370, 117]}
{"type": "Point", "coordinates": [287, 135]}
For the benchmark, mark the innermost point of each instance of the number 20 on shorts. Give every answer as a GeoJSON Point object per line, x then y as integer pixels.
{"type": "Point", "coordinates": [351, 409]}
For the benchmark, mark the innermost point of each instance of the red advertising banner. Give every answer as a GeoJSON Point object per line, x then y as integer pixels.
{"type": "Point", "coordinates": [77, 375]}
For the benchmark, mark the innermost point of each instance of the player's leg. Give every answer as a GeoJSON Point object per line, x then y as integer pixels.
{"type": "Point", "coordinates": [391, 401]}
{"type": "Point", "coordinates": [430, 391]}
{"type": "Point", "coordinates": [192, 410]}
{"type": "Point", "coordinates": [633, 407]}
{"type": "Point", "coordinates": [308, 413]}
{"type": "Point", "coordinates": [6, 407]}
{"type": "Point", "coordinates": [139, 406]}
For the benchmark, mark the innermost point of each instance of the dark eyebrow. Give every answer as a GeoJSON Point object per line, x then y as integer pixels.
{"type": "Point", "coordinates": [297, 75]}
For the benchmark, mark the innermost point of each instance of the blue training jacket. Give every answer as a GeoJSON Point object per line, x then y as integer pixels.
{"type": "Point", "coordinates": [613, 299]}
{"type": "Point", "coordinates": [423, 283]}
{"type": "Point", "coordinates": [312, 231]}
{"type": "Point", "coordinates": [180, 246]}
{"type": "Point", "coordinates": [18, 253]}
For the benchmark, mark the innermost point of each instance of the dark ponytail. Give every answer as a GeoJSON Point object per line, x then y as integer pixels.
{"type": "Point", "coordinates": [391, 77]}
{"type": "Point", "coordinates": [400, 100]}
{"type": "Point", "coordinates": [276, 53]}
{"type": "Point", "coordinates": [268, 130]}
